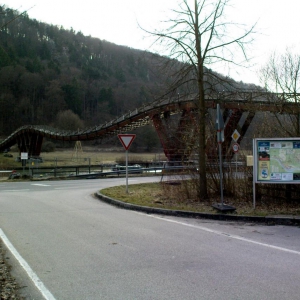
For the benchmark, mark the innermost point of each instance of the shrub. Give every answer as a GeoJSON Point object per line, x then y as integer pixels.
{"type": "Point", "coordinates": [48, 147]}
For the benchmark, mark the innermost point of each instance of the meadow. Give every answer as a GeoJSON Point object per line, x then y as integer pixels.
{"type": "Point", "coordinates": [83, 156]}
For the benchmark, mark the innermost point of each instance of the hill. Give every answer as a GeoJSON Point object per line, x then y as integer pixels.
{"type": "Point", "coordinates": [46, 70]}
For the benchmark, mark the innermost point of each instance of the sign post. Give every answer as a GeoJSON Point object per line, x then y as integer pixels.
{"type": "Point", "coordinates": [126, 140]}
{"type": "Point", "coordinates": [220, 138]}
{"type": "Point", "coordinates": [235, 149]}
{"type": "Point", "coordinates": [24, 157]}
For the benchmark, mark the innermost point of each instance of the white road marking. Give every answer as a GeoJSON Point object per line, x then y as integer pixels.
{"type": "Point", "coordinates": [40, 184]}
{"type": "Point", "coordinates": [236, 237]}
{"type": "Point", "coordinates": [37, 282]}
{"type": "Point", "coordinates": [71, 187]}
{"type": "Point", "coordinates": [23, 190]}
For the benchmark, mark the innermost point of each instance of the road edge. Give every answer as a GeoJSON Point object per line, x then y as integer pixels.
{"type": "Point", "coordinates": [268, 220]}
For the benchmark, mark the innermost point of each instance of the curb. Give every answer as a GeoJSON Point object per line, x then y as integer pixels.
{"type": "Point", "coordinates": [268, 220]}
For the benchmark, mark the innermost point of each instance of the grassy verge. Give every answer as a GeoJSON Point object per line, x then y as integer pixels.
{"type": "Point", "coordinates": [171, 197]}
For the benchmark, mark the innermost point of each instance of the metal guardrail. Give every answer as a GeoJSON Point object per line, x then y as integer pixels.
{"type": "Point", "coordinates": [87, 172]}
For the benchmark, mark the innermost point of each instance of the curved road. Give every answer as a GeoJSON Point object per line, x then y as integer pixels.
{"type": "Point", "coordinates": [78, 247]}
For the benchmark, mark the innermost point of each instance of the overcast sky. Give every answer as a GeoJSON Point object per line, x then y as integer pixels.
{"type": "Point", "coordinates": [117, 21]}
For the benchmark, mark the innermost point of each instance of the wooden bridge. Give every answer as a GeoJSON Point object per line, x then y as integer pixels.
{"type": "Point", "coordinates": [29, 138]}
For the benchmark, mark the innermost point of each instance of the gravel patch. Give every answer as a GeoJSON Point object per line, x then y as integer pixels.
{"type": "Point", "coordinates": [9, 288]}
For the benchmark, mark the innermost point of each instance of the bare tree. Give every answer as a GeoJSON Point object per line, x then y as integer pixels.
{"type": "Point", "coordinates": [281, 74]}
{"type": "Point", "coordinates": [68, 120]}
{"type": "Point", "coordinates": [201, 36]}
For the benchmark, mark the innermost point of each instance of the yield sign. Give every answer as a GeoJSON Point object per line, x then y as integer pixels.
{"type": "Point", "coordinates": [126, 140]}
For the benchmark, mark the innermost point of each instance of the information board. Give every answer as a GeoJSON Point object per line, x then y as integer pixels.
{"type": "Point", "coordinates": [277, 160]}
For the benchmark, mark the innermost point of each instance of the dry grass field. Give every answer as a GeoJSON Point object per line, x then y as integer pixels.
{"type": "Point", "coordinates": [83, 156]}
{"type": "Point", "coordinates": [101, 156]}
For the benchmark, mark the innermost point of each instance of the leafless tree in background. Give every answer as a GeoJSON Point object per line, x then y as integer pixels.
{"type": "Point", "coordinates": [281, 74]}
{"type": "Point", "coordinates": [201, 36]}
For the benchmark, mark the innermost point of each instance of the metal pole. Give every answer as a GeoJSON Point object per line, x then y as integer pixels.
{"type": "Point", "coordinates": [254, 173]}
{"type": "Point", "coordinates": [221, 173]}
{"type": "Point", "coordinates": [126, 171]}
{"type": "Point", "coordinates": [55, 166]}
{"type": "Point", "coordinates": [236, 165]}
{"type": "Point", "coordinates": [220, 128]}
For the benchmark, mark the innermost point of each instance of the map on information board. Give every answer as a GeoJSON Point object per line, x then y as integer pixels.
{"type": "Point", "coordinates": [278, 160]}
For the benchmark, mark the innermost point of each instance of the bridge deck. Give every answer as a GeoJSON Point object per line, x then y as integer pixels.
{"type": "Point", "coordinates": [247, 101]}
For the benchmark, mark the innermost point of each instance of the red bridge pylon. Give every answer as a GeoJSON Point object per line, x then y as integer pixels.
{"type": "Point", "coordinates": [176, 133]}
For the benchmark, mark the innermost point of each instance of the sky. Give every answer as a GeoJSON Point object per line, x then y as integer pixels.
{"type": "Point", "coordinates": [117, 21]}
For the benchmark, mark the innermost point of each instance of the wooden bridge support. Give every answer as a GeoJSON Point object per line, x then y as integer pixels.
{"type": "Point", "coordinates": [232, 118]}
{"type": "Point", "coordinates": [177, 139]}
{"type": "Point", "coordinates": [30, 143]}
{"type": "Point", "coordinates": [22, 143]}
{"type": "Point", "coordinates": [235, 121]}
{"type": "Point", "coordinates": [36, 145]}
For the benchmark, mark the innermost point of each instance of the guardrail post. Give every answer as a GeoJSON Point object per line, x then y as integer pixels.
{"type": "Point", "coordinates": [55, 166]}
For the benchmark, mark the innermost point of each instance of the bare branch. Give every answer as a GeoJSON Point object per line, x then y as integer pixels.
{"type": "Point", "coordinates": [197, 38]}
{"type": "Point", "coordinates": [18, 15]}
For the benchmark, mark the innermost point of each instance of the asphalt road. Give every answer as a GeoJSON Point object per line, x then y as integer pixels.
{"type": "Point", "coordinates": [81, 248]}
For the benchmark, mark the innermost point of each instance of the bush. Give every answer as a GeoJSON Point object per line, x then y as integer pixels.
{"type": "Point", "coordinates": [48, 147]}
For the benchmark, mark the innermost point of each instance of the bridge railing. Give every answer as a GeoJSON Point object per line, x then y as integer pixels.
{"type": "Point", "coordinates": [140, 116]}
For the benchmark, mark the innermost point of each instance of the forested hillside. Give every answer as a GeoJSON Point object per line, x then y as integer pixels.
{"type": "Point", "coordinates": [49, 74]}
{"type": "Point", "coordinates": [45, 70]}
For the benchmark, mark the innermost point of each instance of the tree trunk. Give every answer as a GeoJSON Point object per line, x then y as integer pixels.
{"type": "Point", "coordinates": [202, 192]}
{"type": "Point", "coordinates": [202, 186]}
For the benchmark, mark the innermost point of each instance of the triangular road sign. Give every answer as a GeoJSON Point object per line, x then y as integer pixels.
{"type": "Point", "coordinates": [126, 140]}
